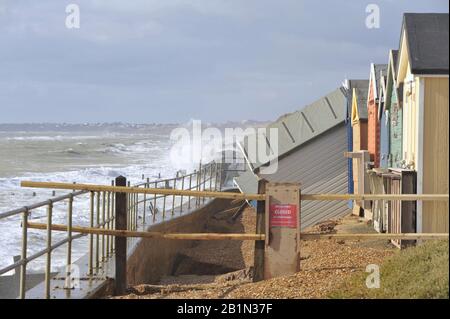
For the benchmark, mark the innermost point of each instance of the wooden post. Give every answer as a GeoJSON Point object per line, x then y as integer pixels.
{"type": "Point", "coordinates": [282, 240]}
{"type": "Point", "coordinates": [121, 242]}
{"type": "Point", "coordinates": [258, 264]}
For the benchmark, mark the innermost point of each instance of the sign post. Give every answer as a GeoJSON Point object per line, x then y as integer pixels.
{"type": "Point", "coordinates": [282, 245]}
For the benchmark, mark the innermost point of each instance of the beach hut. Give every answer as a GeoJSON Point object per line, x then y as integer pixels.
{"type": "Point", "coordinates": [359, 155]}
{"type": "Point", "coordinates": [373, 123]}
{"type": "Point", "coordinates": [393, 105]}
{"type": "Point", "coordinates": [384, 121]}
{"type": "Point", "coordinates": [422, 72]}
{"type": "Point", "coordinates": [348, 122]}
{"type": "Point", "coordinates": [354, 121]}
{"type": "Point", "coordinates": [311, 144]}
{"type": "Point", "coordinates": [382, 180]}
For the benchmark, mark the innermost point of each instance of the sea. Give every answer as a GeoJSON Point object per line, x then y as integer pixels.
{"type": "Point", "coordinates": [81, 153]}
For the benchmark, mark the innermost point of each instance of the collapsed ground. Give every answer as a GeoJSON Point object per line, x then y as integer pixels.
{"type": "Point", "coordinates": [222, 269]}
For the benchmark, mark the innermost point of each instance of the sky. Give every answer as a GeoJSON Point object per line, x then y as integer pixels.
{"type": "Point", "coordinates": [166, 61]}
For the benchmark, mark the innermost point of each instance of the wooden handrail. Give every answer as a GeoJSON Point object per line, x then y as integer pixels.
{"type": "Point", "coordinates": [222, 236]}
{"type": "Point", "coordinates": [389, 197]}
{"type": "Point", "coordinates": [231, 195]}
{"type": "Point", "coordinates": [144, 234]}
{"type": "Point", "coordinates": [139, 190]}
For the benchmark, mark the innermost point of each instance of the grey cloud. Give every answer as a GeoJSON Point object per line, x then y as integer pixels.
{"type": "Point", "coordinates": [175, 60]}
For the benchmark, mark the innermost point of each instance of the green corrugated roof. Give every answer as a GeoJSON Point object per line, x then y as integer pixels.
{"type": "Point", "coordinates": [247, 182]}
{"type": "Point", "coordinates": [297, 128]}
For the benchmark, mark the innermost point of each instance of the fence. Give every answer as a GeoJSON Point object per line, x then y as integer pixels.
{"type": "Point", "coordinates": [102, 215]}
{"type": "Point", "coordinates": [103, 229]}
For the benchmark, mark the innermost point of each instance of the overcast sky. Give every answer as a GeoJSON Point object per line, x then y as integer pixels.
{"type": "Point", "coordinates": [172, 60]}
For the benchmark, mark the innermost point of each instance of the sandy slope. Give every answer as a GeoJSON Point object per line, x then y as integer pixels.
{"type": "Point", "coordinates": [325, 264]}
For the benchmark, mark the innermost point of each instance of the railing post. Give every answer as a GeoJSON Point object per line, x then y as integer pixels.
{"type": "Point", "coordinates": [91, 237]}
{"type": "Point", "coordinates": [146, 185]}
{"type": "Point", "coordinates": [215, 176]}
{"type": "Point", "coordinates": [68, 283]}
{"type": "Point", "coordinates": [97, 238]}
{"type": "Point", "coordinates": [103, 225]}
{"type": "Point", "coordinates": [108, 224]}
{"type": "Point", "coordinates": [220, 176]}
{"type": "Point", "coordinates": [136, 210]}
{"type": "Point", "coordinates": [181, 198]}
{"type": "Point", "coordinates": [210, 176]}
{"type": "Point", "coordinates": [113, 216]}
{"type": "Point", "coordinates": [164, 207]}
{"type": "Point", "coordinates": [190, 188]}
{"type": "Point", "coordinates": [174, 198]}
{"type": "Point", "coordinates": [121, 242]}
{"type": "Point", "coordinates": [48, 265]}
{"type": "Point", "coordinates": [154, 203]}
{"type": "Point", "coordinates": [204, 181]}
{"type": "Point", "coordinates": [282, 243]}
{"type": "Point", "coordinates": [258, 268]}
{"type": "Point", "coordinates": [23, 268]}
{"type": "Point", "coordinates": [199, 181]}
{"type": "Point", "coordinates": [129, 205]}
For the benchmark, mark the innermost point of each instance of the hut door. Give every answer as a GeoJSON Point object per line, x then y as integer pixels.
{"type": "Point", "coordinates": [395, 222]}
{"type": "Point", "coordinates": [403, 213]}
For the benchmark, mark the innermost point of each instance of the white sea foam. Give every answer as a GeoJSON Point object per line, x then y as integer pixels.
{"type": "Point", "coordinates": [92, 157]}
{"type": "Point", "coordinates": [51, 138]}
{"type": "Point", "coordinates": [138, 154]}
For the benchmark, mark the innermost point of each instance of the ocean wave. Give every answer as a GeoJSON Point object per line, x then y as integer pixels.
{"type": "Point", "coordinates": [52, 138]}
{"type": "Point", "coordinates": [71, 151]}
{"type": "Point", "coordinates": [115, 148]}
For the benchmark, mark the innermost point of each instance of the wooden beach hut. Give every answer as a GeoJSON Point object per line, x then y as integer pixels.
{"type": "Point", "coordinates": [311, 144]}
{"type": "Point", "coordinates": [359, 155]}
{"type": "Point", "coordinates": [373, 123]}
{"type": "Point", "coordinates": [348, 122]}
{"type": "Point", "coordinates": [384, 180]}
{"type": "Point", "coordinates": [357, 122]}
{"type": "Point", "coordinates": [423, 74]}
{"type": "Point", "coordinates": [384, 121]}
{"type": "Point", "coordinates": [393, 106]}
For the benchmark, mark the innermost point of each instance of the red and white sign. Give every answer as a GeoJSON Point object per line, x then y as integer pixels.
{"type": "Point", "coordinates": [283, 215]}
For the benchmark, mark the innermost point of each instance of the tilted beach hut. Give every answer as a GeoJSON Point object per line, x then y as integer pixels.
{"type": "Point", "coordinates": [311, 144]}
{"type": "Point", "coordinates": [373, 123]}
{"type": "Point", "coordinates": [423, 74]}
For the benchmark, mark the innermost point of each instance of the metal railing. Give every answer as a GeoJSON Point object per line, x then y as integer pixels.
{"type": "Point", "coordinates": [102, 215]}
{"type": "Point", "coordinates": [207, 177]}
{"type": "Point", "coordinates": [24, 258]}
{"type": "Point", "coordinates": [261, 236]}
